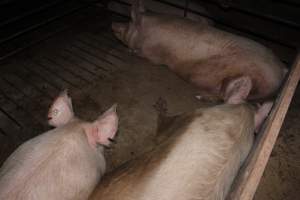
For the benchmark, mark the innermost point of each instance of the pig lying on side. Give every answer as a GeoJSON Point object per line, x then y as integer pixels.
{"type": "Point", "coordinates": [198, 161]}
{"type": "Point", "coordinates": [64, 163]}
{"type": "Point", "coordinates": [207, 57]}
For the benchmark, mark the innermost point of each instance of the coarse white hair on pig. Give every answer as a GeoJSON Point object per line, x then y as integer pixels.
{"type": "Point", "coordinates": [206, 56]}
{"type": "Point", "coordinates": [199, 159]}
{"type": "Point", "coordinates": [64, 163]}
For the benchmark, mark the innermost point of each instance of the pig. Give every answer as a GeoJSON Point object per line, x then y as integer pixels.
{"type": "Point", "coordinates": [64, 163]}
{"type": "Point", "coordinates": [199, 159]}
{"type": "Point", "coordinates": [200, 53]}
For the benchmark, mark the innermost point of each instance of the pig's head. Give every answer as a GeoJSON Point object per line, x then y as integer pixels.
{"type": "Point", "coordinates": [103, 130]}
{"type": "Point", "coordinates": [61, 111]}
{"type": "Point", "coordinates": [128, 32]}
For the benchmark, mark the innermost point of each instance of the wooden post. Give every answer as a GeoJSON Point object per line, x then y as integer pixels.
{"type": "Point", "coordinates": [246, 183]}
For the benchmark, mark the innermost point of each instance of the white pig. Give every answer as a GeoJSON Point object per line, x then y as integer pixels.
{"type": "Point", "coordinates": [200, 53]}
{"type": "Point", "coordinates": [65, 163]}
{"type": "Point", "coordinates": [200, 159]}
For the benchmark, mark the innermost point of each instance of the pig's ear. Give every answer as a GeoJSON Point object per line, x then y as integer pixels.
{"type": "Point", "coordinates": [103, 130]}
{"type": "Point", "coordinates": [237, 90]}
{"type": "Point", "coordinates": [136, 11]}
{"type": "Point", "coordinates": [61, 111]}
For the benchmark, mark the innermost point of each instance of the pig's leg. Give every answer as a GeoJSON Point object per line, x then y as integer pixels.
{"type": "Point", "coordinates": [261, 114]}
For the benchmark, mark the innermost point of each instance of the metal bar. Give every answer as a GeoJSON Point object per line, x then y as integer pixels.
{"type": "Point", "coordinates": [29, 44]}
{"type": "Point", "coordinates": [256, 14]}
{"type": "Point", "coordinates": [234, 28]}
{"type": "Point", "coordinates": [186, 7]}
{"type": "Point", "coordinates": [11, 118]}
{"type": "Point", "coordinates": [48, 5]}
{"type": "Point", "coordinates": [288, 2]}
{"type": "Point", "coordinates": [35, 26]}
{"type": "Point", "coordinates": [3, 133]}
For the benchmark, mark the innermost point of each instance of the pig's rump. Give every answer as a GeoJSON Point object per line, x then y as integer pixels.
{"type": "Point", "coordinates": [45, 168]}
{"type": "Point", "coordinates": [199, 161]}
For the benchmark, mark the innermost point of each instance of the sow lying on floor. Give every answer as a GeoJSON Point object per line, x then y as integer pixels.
{"type": "Point", "coordinates": [200, 53]}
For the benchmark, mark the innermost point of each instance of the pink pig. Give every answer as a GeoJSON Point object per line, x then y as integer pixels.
{"type": "Point", "coordinates": [200, 53]}
{"type": "Point", "coordinates": [199, 159]}
{"type": "Point", "coordinates": [64, 163]}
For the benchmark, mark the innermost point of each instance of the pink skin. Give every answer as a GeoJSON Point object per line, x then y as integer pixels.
{"type": "Point", "coordinates": [199, 159]}
{"type": "Point", "coordinates": [64, 163]}
{"type": "Point", "coordinates": [98, 132]}
{"type": "Point", "coordinates": [201, 54]}
{"type": "Point", "coordinates": [102, 129]}
{"type": "Point", "coordinates": [174, 171]}
{"type": "Point", "coordinates": [237, 90]}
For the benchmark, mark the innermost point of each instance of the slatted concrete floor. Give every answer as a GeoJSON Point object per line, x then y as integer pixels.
{"type": "Point", "coordinates": [30, 81]}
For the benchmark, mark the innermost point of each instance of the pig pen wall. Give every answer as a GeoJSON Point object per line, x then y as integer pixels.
{"type": "Point", "coordinates": [68, 44]}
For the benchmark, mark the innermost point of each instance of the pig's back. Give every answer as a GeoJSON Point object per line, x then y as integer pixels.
{"type": "Point", "coordinates": [190, 48]}
{"type": "Point", "coordinates": [190, 41]}
{"type": "Point", "coordinates": [44, 167]}
{"type": "Point", "coordinates": [200, 162]}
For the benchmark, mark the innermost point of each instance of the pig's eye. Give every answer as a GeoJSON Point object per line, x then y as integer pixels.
{"type": "Point", "coordinates": [54, 112]}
